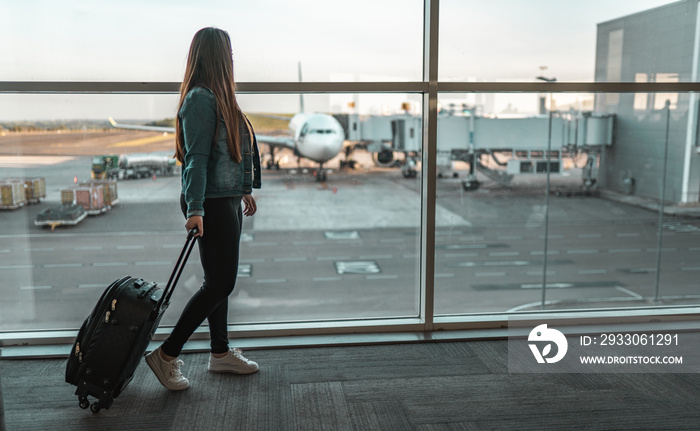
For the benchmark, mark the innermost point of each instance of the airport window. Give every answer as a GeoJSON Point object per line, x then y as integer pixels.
{"type": "Point", "coordinates": [535, 144]}
{"type": "Point", "coordinates": [661, 98]}
{"type": "Point", "coordinates": [520, 223]}
{"type": "Point", "coordinates": [303, 40]}
{"type": "Point", "coordinates": [641, 100]}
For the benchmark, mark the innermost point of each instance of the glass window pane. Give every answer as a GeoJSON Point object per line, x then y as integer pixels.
{"type": "Point", "coordinates": [343, 247]}
{"type": "Point", "coordinates": [512, 40]}
{"type": "Point", "coordinates": [149, 41]}
{"type": "Point", "coordinates": [597, 239]}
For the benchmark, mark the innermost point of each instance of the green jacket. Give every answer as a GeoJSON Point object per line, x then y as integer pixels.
{"type": "Point", "coordinates": [208, 171]}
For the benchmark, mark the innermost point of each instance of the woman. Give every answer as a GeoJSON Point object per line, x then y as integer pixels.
{"type": "Point", "coordinates": [220, 167]}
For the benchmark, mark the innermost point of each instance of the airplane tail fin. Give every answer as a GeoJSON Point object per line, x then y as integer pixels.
{"type": "Point", "coordinates": [301, 96]}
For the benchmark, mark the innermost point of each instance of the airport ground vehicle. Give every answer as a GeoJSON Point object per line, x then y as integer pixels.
{"type": "Point", "coordinates": [132, 166]}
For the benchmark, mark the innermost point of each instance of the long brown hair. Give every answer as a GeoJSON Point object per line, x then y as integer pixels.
{"type": "Point", "coordinates": [210, 64]}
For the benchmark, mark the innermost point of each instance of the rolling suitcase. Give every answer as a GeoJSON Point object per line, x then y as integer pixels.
{"type": "Point", "coordinates": [114, 337]}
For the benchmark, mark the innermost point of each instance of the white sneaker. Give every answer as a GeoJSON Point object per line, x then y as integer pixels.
{"type": "Point", "coordinates": [168, 372]}
{"type": "Point", "coordinates": [233, 362]}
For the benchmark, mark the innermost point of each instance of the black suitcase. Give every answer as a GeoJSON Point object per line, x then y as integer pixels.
{"type": "Point", "coordinates": [114, 337]}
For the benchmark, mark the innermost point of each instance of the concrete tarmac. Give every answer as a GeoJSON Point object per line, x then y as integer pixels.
{"type": "Point", "coordinates": [349, 248]}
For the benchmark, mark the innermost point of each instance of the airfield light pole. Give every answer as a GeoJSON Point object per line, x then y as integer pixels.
{"type": "Point", "coordinates": [547, 187]}
{"type": "Point", "coordinates": [662, 198]}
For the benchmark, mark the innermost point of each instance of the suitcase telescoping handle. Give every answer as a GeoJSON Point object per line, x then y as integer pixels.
{"type": "Point", "coordinates": [179, 265]}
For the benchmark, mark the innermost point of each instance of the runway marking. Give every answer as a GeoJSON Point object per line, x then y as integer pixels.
{"type": "Point", "coordinates": [90, 248]}
{"type": "Point", "coordinates": [472, 238]}
{"type": "Point", "coordinates": [493, 263]}
{"type": "Point", "coordinates": [154, 263]}
{"type": "Point", "coordinates": [291, 259]}
{"type": "Point", "coordinates": [130, 247]}
{"type": "Point", "coordinates": [461, 254]}
{"type": "Point", "coordinates": [504, 253]}
{"type": "Point", "coordinates": [271, 280]}
{"type": "Point", "coordinates": [552, 236]}
{"type": "Point", "coordinates": [663, 249]}
{"type": "Point", "coordinates": [549, 286]}
{"type": "Point", "coordinates": [590, 235]}
{"type": "Point", "coordinates": [377, 256]}
{"type": "Point", "coordinates": [593, 271]}
{"type": "Point", "coordinates": [490, 274]}
{"type": "Point", "coordinates": [91, 286]}
{"type": "Point", "coordinates": [539, 273]}
{"type": "Point", "coordinates": [307, 242]}
{"type": "Point", "coordinates": [694, 249]}
{"type": "Point", "coordinates": [582, 251]}
{"type": "Point", "coordinates": [327, 279]}
{"type": "Point", "coordinates": [4, 251]}
{"type": "Point", "coordinates": [448, 232]}
{"type": "Point", "coordinates": [541, 252]}
{"type": "Point", "coordinates": [40, 249]}
{"type": "Point", "coordinates": [63, 265]}
{"type": "Point", "coordinates": [35, 287]}
{"type": "Point", "coordinates": [333, 258]}
{"type": "Point", "coordinates": [381, 277]}
{"type": "Point", "coordinates": [110, 264]}
{"type": "Point", "coordinates": [640, 270]}
{"type": "Point", "coordinates": [357, 267]}
{"type": "Point", "coordinates": [559, 285]}
{"type": "Point", "coordinates": [353, 234]}
{"type": "Point", "coordinates": [625, 250]}
{"type": "Point", "coordinates": [245, 271]}
{"type": "Point", "coordinates": [629, 292]}
{"type": "Point", "coordinates": [141, 141]}
{"type": "Point", "coordinates": [690, 268]}
{"type": "Point", "coordinates": [17, 267]}
{"type": "Point", "coordinates": [628, 235]}
{"type": "Point", "coordinates": [261, 260]}
{"type": "Point", "coordinates": [509, 237]}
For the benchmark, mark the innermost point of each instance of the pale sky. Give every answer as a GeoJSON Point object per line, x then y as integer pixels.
{"type": "Point", "coordinates": [362, 40]}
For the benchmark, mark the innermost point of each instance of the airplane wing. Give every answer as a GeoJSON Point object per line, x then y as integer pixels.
{"type": "Point", "coordinates": [135, 127]}
{"type": "Point", "coordinates": [276, 141]}
{"type": "Point", "coordinates": [272, 117]}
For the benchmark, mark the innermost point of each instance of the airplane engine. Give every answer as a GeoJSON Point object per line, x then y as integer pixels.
{"type": "Point", "coordinates": [384, 157]}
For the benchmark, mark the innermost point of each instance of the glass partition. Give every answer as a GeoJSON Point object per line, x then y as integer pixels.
{"type": "Point", "coordinates": [568, 210]}
{"type": "Point", "coordinates": [583, 200]}
{"type": "Point", "coordinates": [336, 235]}
{"type": "Point", "coordinates": [134, 41]}
{"type": "Point", "coordinates": [517, 41]}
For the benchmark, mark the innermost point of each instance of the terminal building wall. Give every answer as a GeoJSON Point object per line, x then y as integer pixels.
{"type": "Point", "coordinates": [652, 46]}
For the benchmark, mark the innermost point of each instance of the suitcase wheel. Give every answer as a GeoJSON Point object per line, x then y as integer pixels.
{"type": "Point", "coordinates": [83, 403]}
{"type": "Point", "coordinates": [95, 407]}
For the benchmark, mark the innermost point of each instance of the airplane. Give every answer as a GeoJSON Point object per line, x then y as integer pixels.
{"type": "Point", "coordinates": [316, 137]}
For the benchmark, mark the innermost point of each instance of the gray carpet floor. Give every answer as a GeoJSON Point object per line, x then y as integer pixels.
{"type": "Point", "coordinates": [425, 386]}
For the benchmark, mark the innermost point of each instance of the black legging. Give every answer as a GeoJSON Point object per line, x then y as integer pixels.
{"type": "Point", "coordinates": [218, 252]}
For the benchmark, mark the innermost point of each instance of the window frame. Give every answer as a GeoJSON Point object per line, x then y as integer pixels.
{"type": "Point", "coordinates": [430, 87]}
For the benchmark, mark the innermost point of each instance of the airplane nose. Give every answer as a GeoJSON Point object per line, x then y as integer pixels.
{"type": "Point", "coordinates": [323, 148]}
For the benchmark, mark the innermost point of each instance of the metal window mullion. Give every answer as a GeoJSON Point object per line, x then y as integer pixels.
{"type": "Point", "coordinates": [429, 168]}
{"type": "Point", "coordinates": [103, 87]}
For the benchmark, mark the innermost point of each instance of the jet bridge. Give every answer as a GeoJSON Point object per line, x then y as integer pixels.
{"type": "Point", "coordinates": [518, 145]}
